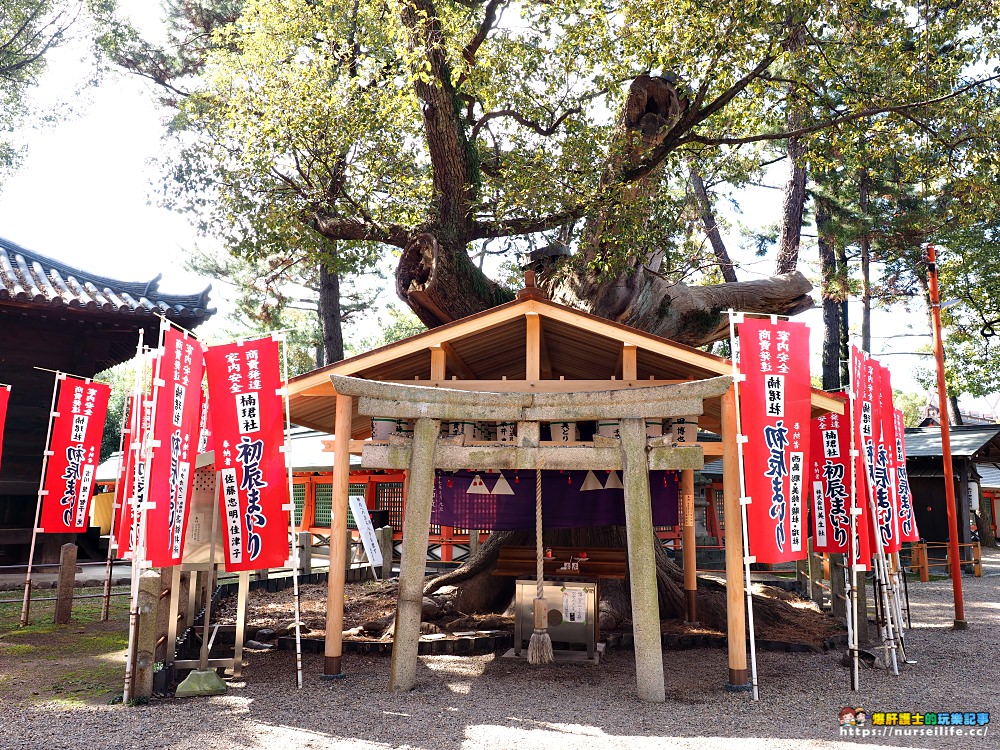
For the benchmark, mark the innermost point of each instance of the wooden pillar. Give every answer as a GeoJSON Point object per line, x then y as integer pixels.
{"type": "Point", "coordinates": [630, 370]}
{"type": "Point", "coordinates": [338, 538]}
{"type": "Point", "coordinates": [689, 546]}
{"type": "Point", "coordinates": [642, 562]}
{"type": "Point", "coordinates": [413, 561]}
{"type": "Point", "coordinates": [736, 614]}
{"type": "Point", "coordinates": [145, 659]}
{"type": "Point", "coordinates": [447, 543]}
{"type": "Point", "coordinates": [533, 348]}
{"type": "Point", "coordinates": [67, 580]}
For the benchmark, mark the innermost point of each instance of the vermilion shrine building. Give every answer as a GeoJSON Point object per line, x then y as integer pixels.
{"type": "Point", "coordinates": [531, 346]}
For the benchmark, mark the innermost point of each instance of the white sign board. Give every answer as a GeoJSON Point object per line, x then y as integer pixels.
{"type": "Point", "coordinates": [364, 523]}
{"type": "Point", "coordinates": [574, 605]}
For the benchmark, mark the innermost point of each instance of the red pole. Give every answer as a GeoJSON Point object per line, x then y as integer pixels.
{"type": "Point", "coordinates": [949, 475]}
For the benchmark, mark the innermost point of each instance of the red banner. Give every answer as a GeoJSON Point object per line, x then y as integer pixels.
{"type": "Point", "coordinates": [775, 410]}
{"type": "Point", "coordinates": [886, 501]}
{"type": "Point", "coordinates": [830, 448]}
{"type": "Point", "coordinates": [4, 400]}
{"type": "Point", "coordinates": [131, 487]}
{"type": "Point", "coordinates": [74, 452]}
{"type": "Point", "coordinates": [121, 541]}
{"type": "Point", "coordinates": [907, 520]}
{"type": "Point", "coordinates": [248, 425]}
{"type": "Point", "coordinates": [177, 399]}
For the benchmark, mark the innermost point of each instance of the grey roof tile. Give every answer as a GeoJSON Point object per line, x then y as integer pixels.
{"type": "Point", "coordinates": [31, 278]}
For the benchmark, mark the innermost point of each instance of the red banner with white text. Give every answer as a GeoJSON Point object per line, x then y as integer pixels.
{"type": "Point", "coordinates": [775, 411]}
{"type": "Point", "coordinates": [4, 400]}
{"type": "Point", "coordinates": [74, 453]}
{"type": "Point", "coordinates": [886, 500]}
{"type": "Point", "coordinates": [908, 531]}
{"type": "Point", "coordinates": [131, 488]}
{"type": "Point", "coordinates": [861, 424]}
{"type": "Point", "coordinates": [248, 430]}
{"type": "Point", "coordinates": [830, 449]}
{"type": "Point", "coordinates": [170, 471]}
{"type": "Point", "coordinates": [121, 537]}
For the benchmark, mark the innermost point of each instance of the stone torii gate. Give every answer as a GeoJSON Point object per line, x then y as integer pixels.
{"type": "Point", "coordinates": [634, 455]}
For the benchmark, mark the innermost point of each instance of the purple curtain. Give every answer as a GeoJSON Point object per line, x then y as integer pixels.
{"type": "Point", "coordinates": [505, 500]}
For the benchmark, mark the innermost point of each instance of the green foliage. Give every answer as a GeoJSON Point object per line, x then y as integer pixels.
{"type": "Point", "coordinates": [121, 378]}
{"type": "Point", "coordinates": [970, 276]}
{"type": "Point", "coordinates": [278, 292]}
{"type": "Point", "coordinates": [305, 122]}
{"type": "Point", "coordinates": [911, 404]}
{"type": "Point", "coordinates": [29, 30]}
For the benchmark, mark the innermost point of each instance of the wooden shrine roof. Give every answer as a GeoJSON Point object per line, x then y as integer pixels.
{"type": "Point", "coordinates": [490, 351]}
{"type": "Point", "coordinates": [31, 280]}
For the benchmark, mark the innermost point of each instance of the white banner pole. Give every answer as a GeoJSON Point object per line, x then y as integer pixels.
{"type": "Point", "coordinates": [26, 604]}
{"type": "Point", "coordinates": [120, 491]}
{"type": "Point", "coordinates": [851, 567]}
{"type": "Point", "coordinates": [139, 548]}
{"type": "Point", "coordinates": [291, 501]}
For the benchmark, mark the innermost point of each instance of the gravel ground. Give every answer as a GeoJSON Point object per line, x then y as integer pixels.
{"type": "Point", "coordinates": [462, 703]}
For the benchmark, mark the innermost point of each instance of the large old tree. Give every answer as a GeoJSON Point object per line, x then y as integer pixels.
{"type": "Point", "coordinates": [442, 130]}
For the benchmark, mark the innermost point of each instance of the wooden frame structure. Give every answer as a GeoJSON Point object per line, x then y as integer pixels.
{"type": "Point", "coordinates": [528, 346]}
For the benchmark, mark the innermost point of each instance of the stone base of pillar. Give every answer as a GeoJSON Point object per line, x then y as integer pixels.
{"type": "Point", "coordinates": [332, 669]}
{"type": "Point", "coordinates": [738, 682]}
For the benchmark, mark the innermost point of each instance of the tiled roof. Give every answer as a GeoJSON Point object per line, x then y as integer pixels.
{"type": "Point", "coordinates": [966, 440]}
{"type": "Point", "coordinates": [32, 279]}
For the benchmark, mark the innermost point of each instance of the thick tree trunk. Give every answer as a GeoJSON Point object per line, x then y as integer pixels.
{"type": "Point", "coordinates": [440, 282]}
{"type": "Point", "coordinates": [984, 522]}
{"type": "Point", "coordinates": [845, 333]}
{"type": "Point", "coordinates": [793, 207]}
{"type": "Point", "coordinates": [329, 312]}
{"type": "Point", "coordinates": [711, 226]}
{"type": "Point", "coordinates": [792, 210]}
{"type": "Point", "coordinates": [831, 295]}
{"type": "Point", "coordinates": [866, 283]}
{"type": "Point", "coordinates": [693, 315]}
{"type": "Point", "coordinates": [956, 412]}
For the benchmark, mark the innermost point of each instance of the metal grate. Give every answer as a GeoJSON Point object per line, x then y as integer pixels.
{"type": "Point", "coordinates": [389, 496]}
{"type": "Point", "coordinates": [324, 505]}
{"type": "Point", "coordinates": [299, 498]}
{"type": "Point", "coordinates": [354, 489]}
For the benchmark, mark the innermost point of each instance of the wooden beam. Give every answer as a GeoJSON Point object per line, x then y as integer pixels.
{"type": "Point", "coordinates": [689, 547]}
{"type": "Point", "coordinates": [629, 367]}
{"type": "Point", "coordinates": [533, 347]}
{"type": "Point", "coordinates": [457, 363]}
{"type": "Point", "coordinates": [438, 363]}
